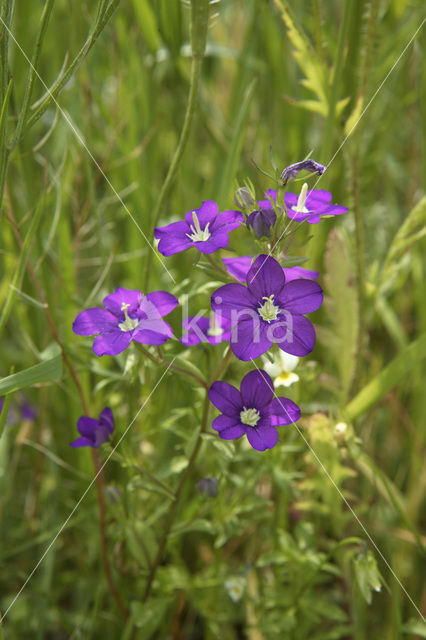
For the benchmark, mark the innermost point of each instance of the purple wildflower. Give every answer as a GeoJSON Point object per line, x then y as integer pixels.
{"type": "Point", "coordinates": [239, 268]}
{"type": "Point", "coordinates": [94, 432]}
{"type": "Point", "coordinates": [204, 228]}
{"type": "Point", "coordinates": [309, 205]}
{"type": "Point", "coordinates": [252, 411]}
{"type": "Point", "coordinates": [293, 170]}
{"type": "Point", "coordinates": [268, 310]}
{"type": "Point", "coordinates": [128, 315]}
{"type": "Point", "coordinates": [213, 329]}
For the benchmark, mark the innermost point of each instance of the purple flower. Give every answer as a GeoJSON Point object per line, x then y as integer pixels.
{"type": "Point", "coordinates": [262, 219]}
{"type": "Point", "coordinates": [94, 432]}
{"type": "Point", "coordinates": [19, 410]}
{"type": "Point", "coordinates": [204, 228]}
{"type": "Point", "coordinates": [309, 205]}
{"type": "Point", "coordinates": [239, 268]}
{"type": "Point", "coordinates": [213, 329]}
{"type": "Point", "coordinates": [306, 165]}
{"type": "Point", "coordinates": [268, 310]}
{"type": "Point", "coordinates": [208, 486]}
{"type": "Point", "coordinates": [128, 315]}
{"type": "Point", "coordinates": [252, 411]}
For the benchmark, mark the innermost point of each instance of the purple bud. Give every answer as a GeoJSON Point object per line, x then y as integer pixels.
{"type": "Point", "coordinates": [261, 222]}
{"type": "Point", "coordinates": [208, 486]}
{"type": "Point", "coordinates": [293, 170]}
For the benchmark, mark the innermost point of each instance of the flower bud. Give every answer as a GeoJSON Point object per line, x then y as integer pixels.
{"type": "Point", "coordinates": [243, 198]}
{"type": "Point", "coordinates": [340, 432]}
{"type": "Point", "coordinates": [261, 222]}
{"type": "Point", "coordinates": [293, 170]}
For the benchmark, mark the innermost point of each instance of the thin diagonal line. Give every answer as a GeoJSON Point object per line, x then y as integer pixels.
{"type": "Point", "coordinates": [84, 145]}
{"type": "Point", "coordinates": [343, 497]}
{"type": "Point", "coordinates": [50, 545]}
{"type": "Point", "coordinates": [353, 127]}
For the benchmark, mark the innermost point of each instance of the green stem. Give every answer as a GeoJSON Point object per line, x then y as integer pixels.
{"type": "Point", "coordinates": [161, 360]}
{"type": "Point", "coordinates": [4, 153]}
{"type": "Point", "coordinates": [199, 24]}
{"type": "Point", "coordinates": [32, 72]}
{"type": "Point", "coordinates": [101, 22]}
{"type": "Point", "coordinates": [173, 507]}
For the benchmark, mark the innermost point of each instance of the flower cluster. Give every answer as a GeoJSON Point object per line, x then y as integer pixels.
{"type": "Point", "coordinates": [263, 305]}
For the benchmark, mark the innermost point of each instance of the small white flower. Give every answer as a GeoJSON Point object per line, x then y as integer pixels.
{"type": "Point", "coordinates": [235, 588]}
{"type": "Point", "coordinates": [281, 370]}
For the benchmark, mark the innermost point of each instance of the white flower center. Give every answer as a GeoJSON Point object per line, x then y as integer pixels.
{"type": "Point", "coordinates": [129, 323]}
{"type": "Point", "coordinates": [249, 416]}
{"type": "Point", "coordinates": [198, 234]}
{"type": "Point", "coordinates": [300, 206]}
{"type": "Point", "coordinates": [268, 310]}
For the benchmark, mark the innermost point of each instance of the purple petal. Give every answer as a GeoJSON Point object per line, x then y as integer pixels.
{"type": "Point", "coordinates": [234, 301]}
{"type": "Point", "coordinates": [333, 210]}
{"type": "Point", "coordinates": [218, 240]}
{"type": "Point", "coordinates": [111, 344]}
{"type": "Point", "coordinates": [301, 296]}
{"type": "Point", "coordinates": [297, 338]}
{"type": "Point", "coordinates": [163, 301]}
{"type": "Point", "coordinates": [300, 217]}
{"type": "Point", "coordinates": [257, 389]}
{"type": "Point", "coordinates": [173, 238]}
{"type": "Point", "coordinates": [82, 442]}
{"type": "Point", "coordinates": [238, 267]}
{"type": "Point", "coordinates": [92, 321]}
{"type": "Point", "coordinates": [295, 273]}
{"type": "Point", "coordinates": [154, 326]}
{"type": "Point", "coordinates": [224, 422]}
{"type": "Point", "coordinates": [314, 219]}
{"type": "Point", "coordinates": [121, 296]}
{"type": "Point", "coordinates": [317, 196]}
{"type": "Point", "coordinates": [265, 277]}
{"type": "Point", "coordinates": [196, 327]}
{"type": "Point", "coordinates": [106, 418]}
{"type": "Point", "coordinates": [226, 398]}
{"type": "Point", "coordinates": [205, 214]}
{"type": "Point", "coordinates": [249, 339]}
{"type": "Point", "coordinates": [261, 439]}
{"type": "Point", "coordinates": [87, 426]}
{"type": "Point", "coordinates": [232, 432]}
{"type": "Point", "coordinates": [226, 221]}
{"type": "Point", "coordinates": [283, 411]}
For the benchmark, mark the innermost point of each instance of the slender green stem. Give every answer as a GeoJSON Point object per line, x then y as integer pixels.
{"type": "Point", "coordinates": [4, 153]}
{"type": "Point", "coordinates": [199, 25]}
{"type": "Point", "coordinates": [173, 507]}
{"type": "Point", "coordinates": [222, 366]}
{"type": "Point", "coordinates": [32, 71]}
{"type": "Point", "coordinates": [5, 21]}
{"type": "Point", "coordinates": [53, 92]}
{"type": "Point", "coordinates": [161, 360]}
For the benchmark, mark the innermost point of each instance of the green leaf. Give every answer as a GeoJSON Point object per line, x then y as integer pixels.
{"type": "Point", "coordinates": [415, 628]}
{"type": "Point", "coordinates": [47, 371]}
{"type": "Point", "coordinates": [367, 575]}
{"type": "Point", "coordinates": [306, 58]}
{"type": "Point", "coordinates": [396, 371]}
{"type": "Point", "coordinates": [341, 306]}
{"type": "Point", "coordinates": [147, 23]}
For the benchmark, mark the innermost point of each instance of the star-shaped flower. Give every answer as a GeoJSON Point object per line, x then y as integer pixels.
{"type": "Point", "coordinates": [128, 315]}
{"type": "Point", "coordinates": [268, 310]}
{"type": "Point", "coordinates": [310, 205]}
{"type": "Point", "coordinates": [252, 411]}
{"type": "Point", "coordinates": [205, 229]}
